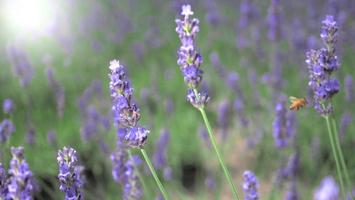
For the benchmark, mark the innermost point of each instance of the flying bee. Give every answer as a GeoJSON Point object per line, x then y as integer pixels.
{"type": "Point", "coordinates": [297, 103]}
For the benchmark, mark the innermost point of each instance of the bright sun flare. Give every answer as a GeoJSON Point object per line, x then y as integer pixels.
{"type": "Point", "coordinates": [28, 15]}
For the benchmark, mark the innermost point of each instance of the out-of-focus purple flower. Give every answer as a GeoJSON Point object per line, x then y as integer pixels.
{"type": "Point", "coordinates": [250, 186]}
{"type": "Point", "coordinates": [233, 82]}
{"type": "Point", "coordinates": [6, 129]}
{"type": "Point", "coordinates": [8, 106]}
{"type": "Point", "coordinates": [344, 124]}
{"type": "Point", "coordinates": [169, 106]}
{"type": "Point", "coordinates": [69, 176]}
{"type": "Point", "coordinates": [118, 158]}
{"type": "Point", "coordinates": [321, 63]}
{"type": "Point", "coordinates": [167, 173]}
{"type": "Point", "coordinates": [283, 125]}
{"type": "Point", "coordinates": [239, 109]}
{"type": "Point", "coordinates": [58, 91]}
{"type": "Point", "coordinates": [210, 182]}
{"type": "Point", "coordinates": [289, 171]}
{"type": "Point", "coordinates": [189, 59]}
{"type": "Point", "coordinates": [248, 13]}
{"type": "Point", "coordinates": [349, 88]}
{"type": "Point", "coordinates": [31, 135]}
{"type": "Point", "coordinates": [52, 138]}
{"type": "Point", "coordinates": [3, 182]}
{"type": "Point", "coordinates": [20, 176]}
{"type": "Point", "coordinates": [92, 108]}
{"type": "Point", "coordinates": [20, 64]}
{"type": "Point", "coordinates": [223, 118]}
{"type": "Point", "coordinates": [132, 188]}
{"type": "Point", "coordinates": [213, 17]}
{"type": "Point", "coordinates": [292, 193]}
{"type": "Point", "coordinates": [216, 63]}
{"type": "Point", "coordinates": [126, 112]}
{"type": "Point", "coordinates": [328, 190]}
{"type": "Point", "coordinates": [274, 21]}
{"type": "Point", "coordinates": [161, 150]}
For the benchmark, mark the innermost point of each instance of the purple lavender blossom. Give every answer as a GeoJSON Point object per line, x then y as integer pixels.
{"type": "Point", "coordinates": [274, 21]}
{"type": "Point", "coordinates": [126, 112]}
{"type": "Point", "coordinates": [161, 150]}
{"type": "Point", "coordinates": [58, 91]}
{"type": "Point", "coordinates": [250, 186]}
{"type": "Point", "coordinates": [239, 109]}
{"type": "Point", "coordinates": [20, 177]}
{"type": "Point", "coordinates": [70, 174]}
{"type": "Point", "coordinates": [3, 182]}
{"type": "Point", "coordinates": [328, 190]}
{"type": "Point", "coordinates": [248, 12]}
{"type": "Point", "coordinates": [292, 193]}
{"type": "Point", "coordinates": [223, 116]}
{"type": "Point", "coordinates": [349, 88]}
{"type": "Point", "coordinates": [8, 106]}
{"type": "Point", "coordinates": [31, 135]}
{"type": "Point", "coordinates": [118, 158]}
{"type": "Point", "coordinates": [52, 138]}
{"type": "Point", "coordinates": [213, 17]}
{"type": "Point", "coordinates": [6, 129]}
{"type": "Point", "coordinates": [283, 125]}
{"type": "Point", "coordinates": [132, 188]}
{"type": "Point", "coordinates": [321, 63]}
{"type": "Point", "coordinates": [21, 66]}
{"type": "Point", "coordinates": [189, 59]}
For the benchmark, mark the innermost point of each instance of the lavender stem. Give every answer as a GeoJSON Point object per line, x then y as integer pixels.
{"type": "Point", "coordinates": [152, 170]}
{"type": "Point", "coordinates": [220, 159]}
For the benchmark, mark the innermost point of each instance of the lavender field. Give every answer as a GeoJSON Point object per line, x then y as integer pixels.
{"type": "Point", "coordinates": [177, 100]}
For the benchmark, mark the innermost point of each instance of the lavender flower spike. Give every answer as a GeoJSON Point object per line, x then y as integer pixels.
{"type": "Point", "coordinates": [70, 174]}
{"type": "Point", "coordinates": [250, 186]}
{"type": "Point", "coordinates": [21, 179]}
{"type": "Point", "coordinates": [189, 59]}
{"type": "Point", "coordinates": [126, 112]}
{"type": "Point", "coordinates": [321, 63]}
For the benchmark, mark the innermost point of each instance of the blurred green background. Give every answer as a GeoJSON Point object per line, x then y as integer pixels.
{"type": "Point", "coordinates": [85, 36]}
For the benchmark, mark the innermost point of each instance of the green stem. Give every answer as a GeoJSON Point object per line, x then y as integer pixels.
{"type": "Point", "coordinates": [337, 144]}
{"type": "Point", "coordinates": [152, 170]}
{"type": "Point", "coordinates": [141, 179]}
{"type": "Point", "coordinates": [221, 161]}
{"type": "Point", "coordinates": [335, 156]}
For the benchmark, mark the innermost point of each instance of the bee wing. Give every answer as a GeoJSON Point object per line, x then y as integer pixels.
{"type": "Point", "coordinates": [292, 99]}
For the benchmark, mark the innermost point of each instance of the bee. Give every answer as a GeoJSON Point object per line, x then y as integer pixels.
{"type": "Point", "coordinates": [297, 103]}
